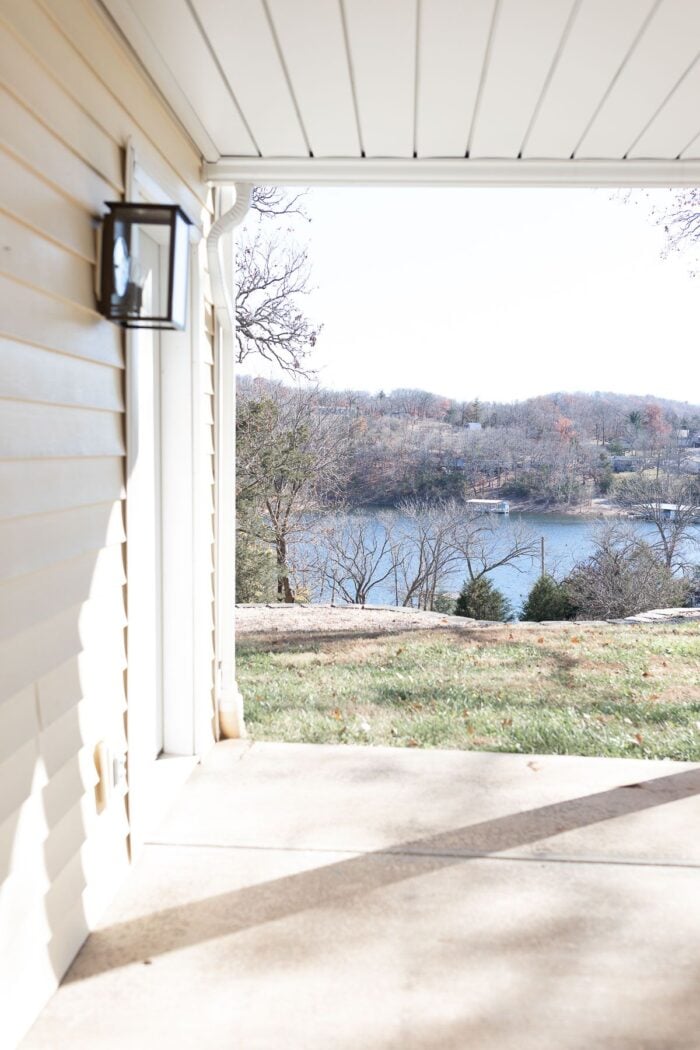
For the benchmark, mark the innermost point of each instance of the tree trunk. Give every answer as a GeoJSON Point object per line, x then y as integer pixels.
{"type": "Point", "coordinates": [284, 588]}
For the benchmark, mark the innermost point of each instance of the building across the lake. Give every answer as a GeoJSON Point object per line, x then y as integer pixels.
{"type": "Point", "coordinates": [491, 506]}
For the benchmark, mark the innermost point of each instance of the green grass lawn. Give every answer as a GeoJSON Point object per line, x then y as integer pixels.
{"type": "Point", "coordinates": [609, 690]}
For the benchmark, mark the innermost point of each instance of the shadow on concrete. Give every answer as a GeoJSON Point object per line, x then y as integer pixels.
{"type": "Point", "coordinates": [179, 927]}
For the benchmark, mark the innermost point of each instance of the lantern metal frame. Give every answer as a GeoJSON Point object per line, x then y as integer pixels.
{"type": "Point", "coordinates": [114, 306]}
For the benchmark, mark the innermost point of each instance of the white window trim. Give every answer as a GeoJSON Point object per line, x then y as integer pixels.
{"type": "Point", "coordinates": [186, 679]}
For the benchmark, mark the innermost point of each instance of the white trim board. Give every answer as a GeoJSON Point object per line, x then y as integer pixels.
{"type": "Point", "coordinates": [184, 560]}
{"type": "Point", "coordinates": [449, 172]}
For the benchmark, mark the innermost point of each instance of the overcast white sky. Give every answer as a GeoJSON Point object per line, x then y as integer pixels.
{"type": "Point", "coordinates": [498, 294]}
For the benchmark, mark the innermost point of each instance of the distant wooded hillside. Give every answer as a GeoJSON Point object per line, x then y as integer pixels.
{"type": "Point", "coordinates": [560, 448]}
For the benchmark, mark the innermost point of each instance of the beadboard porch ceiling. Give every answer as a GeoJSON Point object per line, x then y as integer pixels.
{"type": "Point", "coordinates": [485, 91]}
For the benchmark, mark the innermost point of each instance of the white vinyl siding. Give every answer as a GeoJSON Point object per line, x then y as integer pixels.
{"type": "Point", "coordinates": [71, 96]}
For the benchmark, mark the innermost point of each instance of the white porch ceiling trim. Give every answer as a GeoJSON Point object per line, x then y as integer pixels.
{"type": "Point", "coordinates": [429, 92]}
{"type": "Point", "coordinates": [356, 171]}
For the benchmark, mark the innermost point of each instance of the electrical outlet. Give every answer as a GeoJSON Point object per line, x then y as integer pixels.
{"type": "Point", "coordinates": [119, 773]}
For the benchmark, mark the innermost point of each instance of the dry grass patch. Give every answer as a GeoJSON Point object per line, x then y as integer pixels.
{"type": "Point", "coordinates": [610, 690]}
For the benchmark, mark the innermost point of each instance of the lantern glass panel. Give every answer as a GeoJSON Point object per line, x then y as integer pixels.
{"type": "Point", "coordinates": [148, 270]}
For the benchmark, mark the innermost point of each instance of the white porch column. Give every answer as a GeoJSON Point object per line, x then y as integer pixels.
{"type": "Point", "coordinates": [232, 208]}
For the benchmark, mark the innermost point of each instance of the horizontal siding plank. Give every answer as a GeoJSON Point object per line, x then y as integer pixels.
{"type": "Point", "coordinates": [207, 411]}
{"type": "Point", "coordinates": [30, 258]}
{"type": "Point", "coordinates": [32, 200]}
{"type": "Point", "coordinates": [207, 378]}
{"type": "Point", "coordinates": [22, 836]}
{"type": "Point", "coordinates": [22, 75]}
{"type": "Point", "coordinates": [66, 838]}
{"type": "Point", "coordinates": [101, 624]}
{"type": "Point", "coordinates": [90, 35]}
{"type": "Point", "coordinates": [69, 931]}
{"type": "Point", "coordinates": [81, 832]}
{"type": "Point", "coordinates": [44, 486]}
{"type": "Point", "coordinates": [20, 895]}
{"type": "Point", "coordinates": [67, 888]}
{"type": "Point", "coordinates": [57, 52]}
{"type": "Point", "coordinates": [40, 596]}
{"type": "Point", "coordinates": [19, 774]}
{"type": "Point", "coordinates": [64, 739]}
{"type": "Point", "coordinates": [34, 652]}
{"type": "Point", "coordinates": [26, 137]}
{"type": "Point", "coordinates": [207, 442]}
{"type": "Point", "coordinates": [61, 690]}
{"type": "Point", "coordinates": [104, 851]}
{"type": "Point", "coordinates": [28, 431]}
{"type": "Point", "coordinates": [92, 678]}
{"type": "Point", "coordinates": [207, 353]}
{"type": "Point", "coordinates": [29, 316]}
{"type": "Point", "coordinates": [35, 543]}
{"type": "Point", "coordinates": [50, 47]}
{"type": "Point", "coordinates": [94, 629]}
{"type": "Point", "coordinates": [68, 786]}
{"type": "Point", "coordinates": [18, 722]}
{"type": "Point", "coordinates": [33, 374]}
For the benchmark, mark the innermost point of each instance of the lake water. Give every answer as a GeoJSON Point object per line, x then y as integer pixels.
{"type": "Point", "coordinates": [567, 539]}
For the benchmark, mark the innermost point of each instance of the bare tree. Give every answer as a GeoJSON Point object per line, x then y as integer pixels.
{"type": "Point", "coordinates": [680, 218]}
{"type": "Point", "coordinates": [359, 556]}
{"type": "Point", "coordinates": [419, 551]}
{"type": "Point", "coordinates": [274, 277]}
{"type": "Point", "coordinates": [487, 543]}
{"type": "Point", "coordinates": [671, 504]}
{"type": "Point", "coordinates": [429, 548]}
{"type": "Point", "coordinates": [623, 576]}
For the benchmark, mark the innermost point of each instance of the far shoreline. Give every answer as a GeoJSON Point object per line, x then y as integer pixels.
{"type": "Point", "coordinates": [594, 508]}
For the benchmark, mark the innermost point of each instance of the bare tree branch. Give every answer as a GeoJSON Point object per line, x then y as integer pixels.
{"type": "Point", "coordinates": [273, 277]}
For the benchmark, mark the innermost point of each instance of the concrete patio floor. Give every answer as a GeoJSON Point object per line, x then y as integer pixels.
{"type": "Point", "coordinates": [325, 898]}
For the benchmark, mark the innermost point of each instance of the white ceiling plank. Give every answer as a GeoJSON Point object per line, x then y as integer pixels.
{"type": "Point", "coordinates": [525, 42]}
{"type": "Point", "coordinates": [169, 43]}
{"type": "Point", "coordinates": [312, 40]}
{"type": "Point", "coordinates": [693, 150]}
{"type": "Point", "coordinates": [452, 41]}
{"type": "Point", "coordinates": [665, 50]}
{"type": "Point", "coordinates": [676, 123]}
{"type": "Point", "coordinates": [600, 39]}
{"type": "Point", "coordinates": [382, 43]}
{"type": "Point", "coordinates": [139, 39]}
{"type": "Point", "coordinates": [240, 35]}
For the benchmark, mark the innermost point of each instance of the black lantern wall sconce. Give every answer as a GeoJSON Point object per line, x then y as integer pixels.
{"type": "Point", "coordinates": [144, 265]}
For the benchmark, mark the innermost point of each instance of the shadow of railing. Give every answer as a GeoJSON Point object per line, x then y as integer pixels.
{"type": "Point", "coordinates": [181, 926]}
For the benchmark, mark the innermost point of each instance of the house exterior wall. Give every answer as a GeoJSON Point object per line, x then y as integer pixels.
{"type": "Point", "coordinates": [72, 98]}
